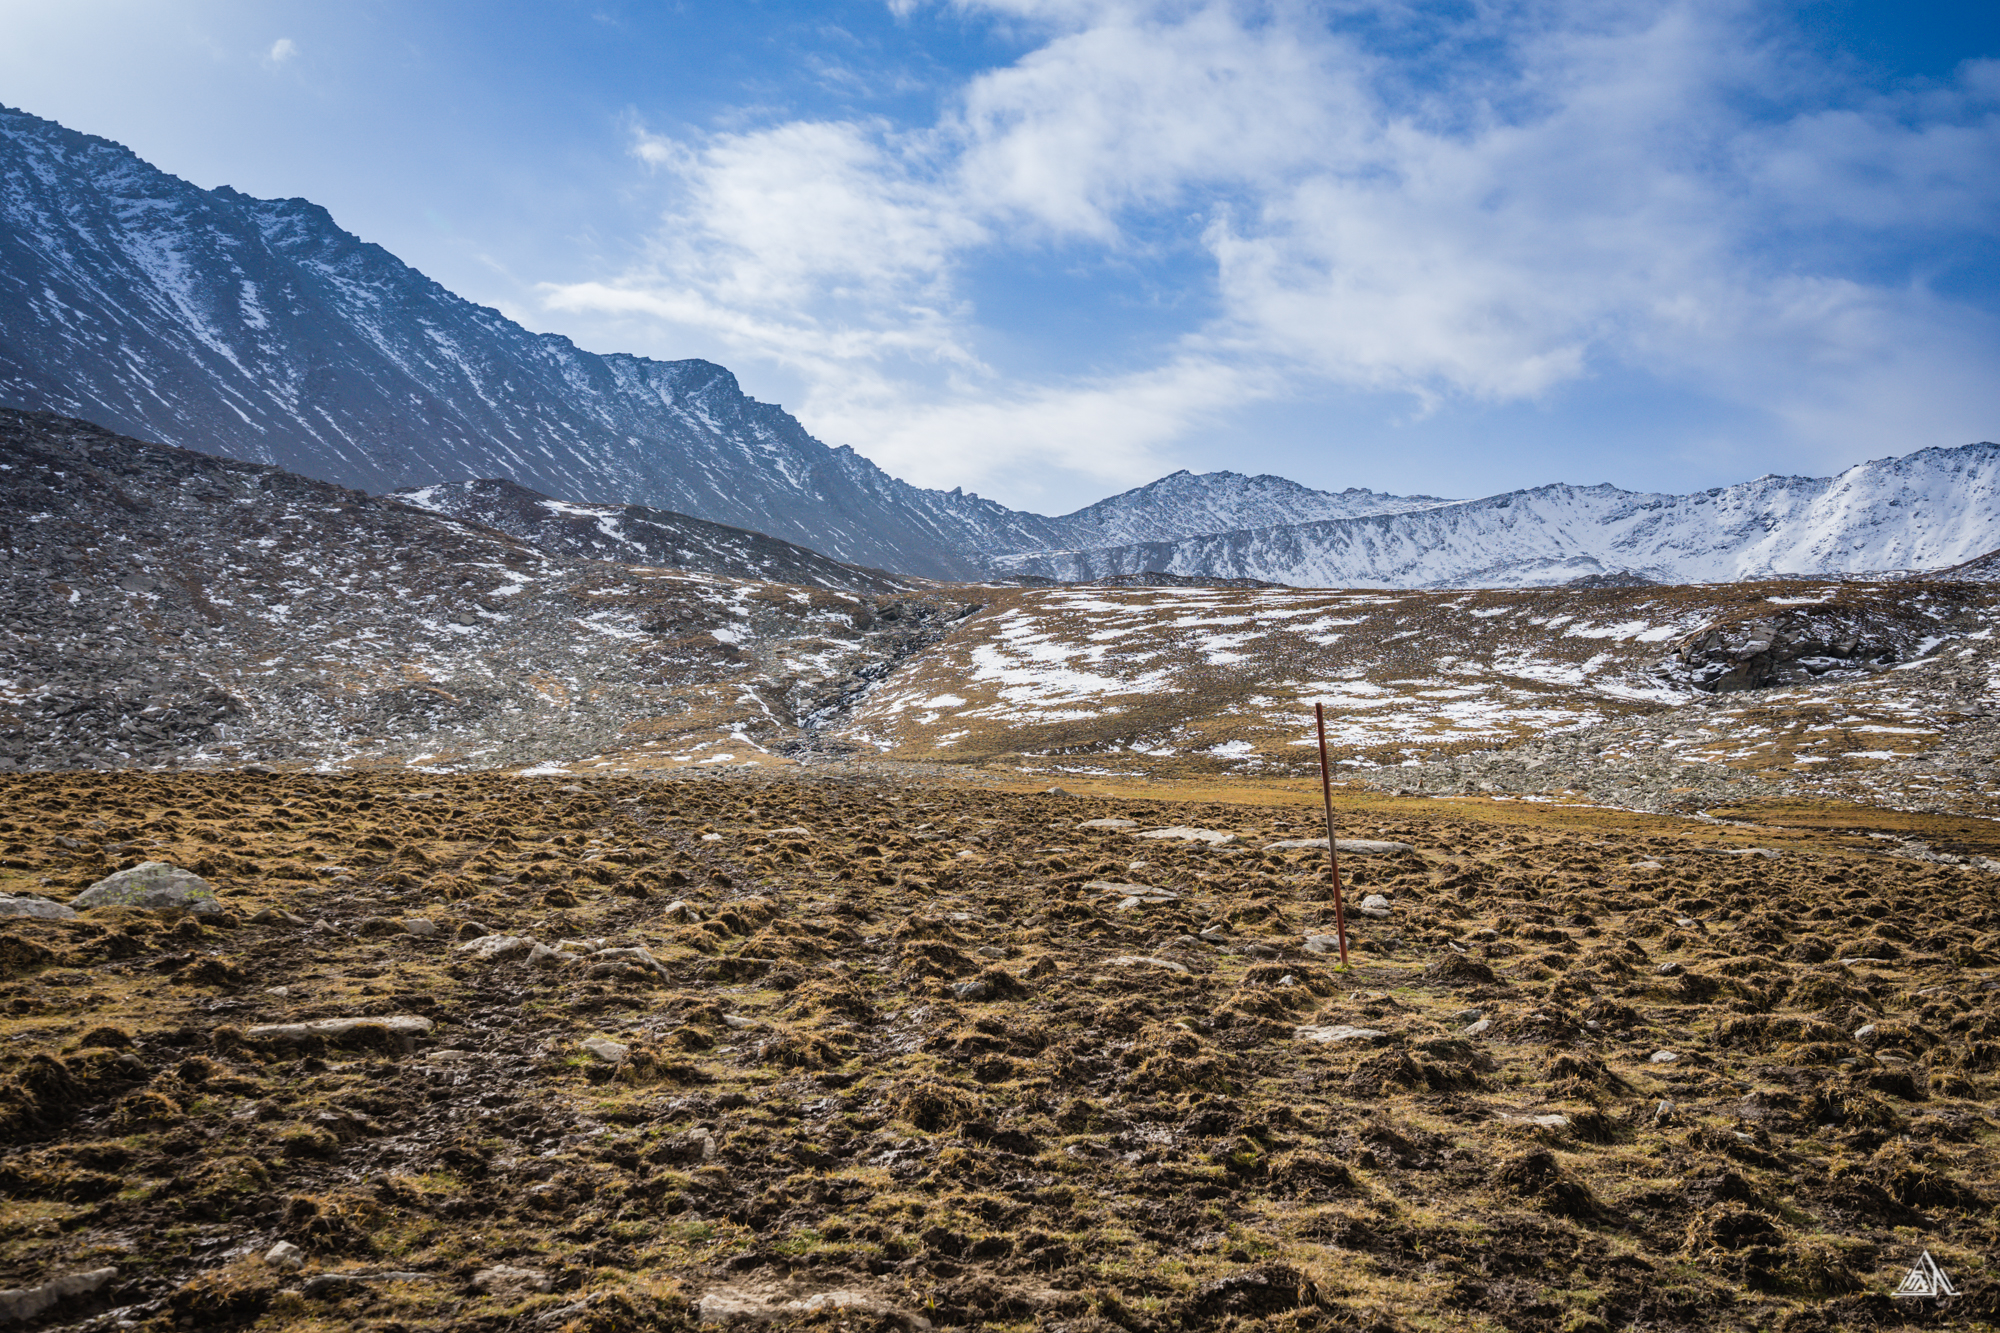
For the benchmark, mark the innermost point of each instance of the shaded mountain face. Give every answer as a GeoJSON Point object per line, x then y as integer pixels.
{"type": "Point", "coordinates": [1930, 508]}
{"type": "Point", "coordinates": [161, 605]}
{"type": "Point", "coordinates": [636, 535]}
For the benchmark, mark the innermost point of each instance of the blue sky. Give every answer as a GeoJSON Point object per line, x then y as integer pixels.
{"type": "Point", "coordinates": [1047, 249]}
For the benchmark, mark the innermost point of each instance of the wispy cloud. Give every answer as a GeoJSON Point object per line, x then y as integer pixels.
{"type": "Point", "coordinates": [282, 50]}
{"type": "Point", "coordinates": [1483, 209]}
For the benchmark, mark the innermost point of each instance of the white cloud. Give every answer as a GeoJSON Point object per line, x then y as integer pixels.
{"type": "Point", "coordinates": [281, 50]}
{"type": "Point", "coordinates": [1589, 192]}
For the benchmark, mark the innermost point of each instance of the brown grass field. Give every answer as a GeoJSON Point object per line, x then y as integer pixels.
{"type": "Point", "coordinates": [906, 1058]}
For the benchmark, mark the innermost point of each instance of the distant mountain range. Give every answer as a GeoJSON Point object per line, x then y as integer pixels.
{"type": "Point", "coordinates": [1930, 508]}
{"type": "Point", "coordinates": [259, 330]}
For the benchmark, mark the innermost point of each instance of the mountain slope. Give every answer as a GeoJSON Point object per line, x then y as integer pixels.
{"type": "Point", "coordinates": [634, 534]}
{"type": "Point", "coordinates": [1933, 507]}
{"type": "Point", "coordinates": [260, 330]}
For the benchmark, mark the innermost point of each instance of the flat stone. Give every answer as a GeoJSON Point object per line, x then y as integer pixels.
{"type": "Point", "coordinates": [505, 1277]}
{"type": "Point", "coordinates": [1356, 846]}
{"type": "Point", "coordinates": [492, 948]}
{"type": "Point", "coordinates": [637, 954]}
{"type": "Point", "coordinates": [1662, 1057]}
{"type": "Point", "coordinates": [975, 989]}
{"type": "Point", "coordinates": [790, 833]}
{"type": "Point", "coordinates": [610, 1052]}
{"type": "Point", "coordinates": [1109, 823]}
{"type": "Point", "coordinates": [26, 1302]}
{"type": "Point", "coordinates": [742, 1305]}
{"type": "Point", "coordinates": [1479, 1027]}
{"type": "Point", "coordinates": [1545, 1121]}
{"type": "Point", "coordinates": [1322, 944]}
{"type": "Point", "coordinates": [1768, 853]}
{"type": "Point", "coordinates": [154, 886]}
{"type": "Point", "coordinates": [1135, 960]}
{"type": "Point", "coordinates": [40, 908]}
{"type": "Point", "coordinates": [1184, 833]}
{"type": "Point", "coordinates": [277, 916]}
{"type": "Point", "coordinates": [285, 1255]}
{"type": "Point", "coordinates": [1340, 1032]}
{"type": "Point", "coordinates": [422, 927]}
{"type": "Point", "coordinates": [1376, 905]}
{"type": "Point", "coordinates": [406, 1025]}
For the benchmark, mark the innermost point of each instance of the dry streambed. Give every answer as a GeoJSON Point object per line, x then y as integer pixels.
{"type": "Point", "coordinates": [863, 1053]}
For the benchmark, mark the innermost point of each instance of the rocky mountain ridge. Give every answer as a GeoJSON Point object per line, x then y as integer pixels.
{"type": "Point", "coordinates": [1927, 509]}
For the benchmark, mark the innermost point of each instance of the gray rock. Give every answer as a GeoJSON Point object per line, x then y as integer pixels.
{"type": "Point", "coordinates": [422, 927]}
{"type": "Point", "coordinates": [1183, 833]}
{"type": "Point", "coordinates": [154, 886]}
{"type": "Point", "coordinates": [407, 1025]}
{"type": "Point", "coordinates": [277, 916]}
{"type": "Point", "coordinates": [493, 948]}
{"type": "Point", "coordinates": [1662, 1057]}
{"type": "Point", "coordinates": [27, 1302]}
{"type": "Point", "coordinates": [1323, 944]}
{"type": "Point", "coordinates": [1109, 823]}
{"type": "Point", "coordinates": [40, 908]}
{"type": "Point", "coordinates": [503, 1278]}
{"type": "Point", "coordinates": [605, 1050]}
{"type": "Point", "coordinates": [1340, 1032]}
{"type": "Point", "coordinates": [1479, 1027]}
{"type": "Point", "coordinates": [1376, 905]}
{"type": "Point", "coordinates": [286, 1256]}
{"type": "Point", "coordinates": [1353, 846]}
{"type": "Point", "coordinates": [1134, 960]}
{"type": "Point", "coordinates": [976, 989]}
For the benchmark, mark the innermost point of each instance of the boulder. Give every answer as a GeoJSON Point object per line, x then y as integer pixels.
{"type": "Point", "coordinates": [154, 886]}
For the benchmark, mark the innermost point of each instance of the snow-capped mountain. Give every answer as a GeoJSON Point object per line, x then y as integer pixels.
{"type": "Point", "coordinates": [258, 329]}
{"type": "Point", "coordinates": [1930, 508]}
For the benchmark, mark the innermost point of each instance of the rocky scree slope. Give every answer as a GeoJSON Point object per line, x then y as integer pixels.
{"type": "Point", "coordinates": [636, 535]}
{"type": "Point", "coordinates": [635, 1056]}
{"type": "Point", "coordinates": [259, 329]}
{"type": "Point", "coordinates": [1930, 508]}
{"type": "Point", "coordinates": [160, 605]}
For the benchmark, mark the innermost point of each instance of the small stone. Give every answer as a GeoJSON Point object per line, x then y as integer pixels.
{"type": "Point", "coordinates": [39, 908]}
{"type": "Point", "coordinates": [976, 989]}
{"type": "Point", "coordinates": [1663, 1057]}
{"type": "Point", "coordinates": [378, 926]}
{"type": "Point", "coordinates": [989, 951]}
{"type": "Point", "coordinates": [1479, 1027]}
{"type": "Point", "coordinates": [422, 927]}
{"type": "Point", "coordinates": [1669, 969]}
{"type": "Point", "coordinates": [1340, 1032]}
{"type": "Point", "coordinates": [277, 916]}
{"type": "Point", "coordinates": [1376, 905]}
{"type": "Point", "coordinates": [285, 1255]}
{"type": "Point", "coordinates": [471, 930]}
{"type": "Point", "coordinates": [1663, 1113]}
{"type": "Point", "coordinates": [1468, 1016]}
{"type": "Point", "coordinates": [154, 886]}
{"type": "Point", "coordinates": [738, 1023]}
{"type": "Point", "coordinates": [1322, 944]}
{"type": "Point", "coordinates": [1544, 1121]}
{"type": "Point", "coordinates": [606, 1050]}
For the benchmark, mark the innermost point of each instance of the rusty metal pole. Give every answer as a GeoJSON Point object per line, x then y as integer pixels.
{"type": "Point", "coordinates": [1332, 852]}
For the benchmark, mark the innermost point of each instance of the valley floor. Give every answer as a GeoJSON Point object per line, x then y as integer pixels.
{"type": "Point", "coordinates": [839, 1047]}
